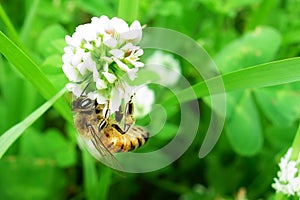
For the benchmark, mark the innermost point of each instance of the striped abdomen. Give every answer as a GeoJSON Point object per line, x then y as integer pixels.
{"type": "Point", "coordinates": [116, 142]}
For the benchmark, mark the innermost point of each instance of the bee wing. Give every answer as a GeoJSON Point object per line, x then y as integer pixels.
{"type": "Point", "coordinates": [105, 155]}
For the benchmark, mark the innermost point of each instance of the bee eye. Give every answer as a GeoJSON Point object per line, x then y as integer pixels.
{"type": "Point", "coordinates": [85, 103]}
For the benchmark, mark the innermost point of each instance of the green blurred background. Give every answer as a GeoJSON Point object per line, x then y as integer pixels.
{"type": "Point", "coordinates": [45, 163]}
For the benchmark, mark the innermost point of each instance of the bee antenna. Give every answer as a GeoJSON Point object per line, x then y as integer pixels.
{"type": "Point", "coordinates": [85, 88]}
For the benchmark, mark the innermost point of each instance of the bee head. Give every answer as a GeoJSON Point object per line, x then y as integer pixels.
{"type": "Point", "coordinates": [83, 103]}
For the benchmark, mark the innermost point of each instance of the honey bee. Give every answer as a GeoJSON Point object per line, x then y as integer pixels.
{"type": "Point", "coordinates": [103, 133]}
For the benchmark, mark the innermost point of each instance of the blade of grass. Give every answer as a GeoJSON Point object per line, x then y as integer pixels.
{"type": "Point", "coordinates": [128, 10]}
{"type": "Point", "coordinates": [10, 27]}
{"type": "Point", "coordinates": [296, 145]}
{"type": "Point", "coordinates": [90, 176]}
{"type": "Point", "coordinates": [94, 178]}
{"type": "Point", "coordinates": [104, 180]}
{"type": "Point", "coordinates": [268, 74]}
{"type": "Point", "coordinates": [8, 138]}
{"type": "Point", "coordinates": [28, 21]}
{"type": "Point", "coordinates": [25, 65]}
{"type": "Point", "coordinates": [260, 14]}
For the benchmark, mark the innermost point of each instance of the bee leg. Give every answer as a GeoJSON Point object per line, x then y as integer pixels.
{"type": "Point", "coordinates": [107, 112]}
{"type": "Point", "coordinates": [129, 119]}
{"type": "Point", "coordinates": [104, 121]}
{"type": "Point", "coordinates": [117, 127]}
{"type": "Point", "coordinates": [119, 115]}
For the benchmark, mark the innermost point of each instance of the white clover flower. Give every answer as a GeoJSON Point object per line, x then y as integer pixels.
{"type": "Point", "coordinates": [143, 101]}
{"type": "Point", "coordinates": [288, 181]}
{"type": "Point", "coordinates": [166, 66]}
{"type": "Point", "coordinates": [99, 54]}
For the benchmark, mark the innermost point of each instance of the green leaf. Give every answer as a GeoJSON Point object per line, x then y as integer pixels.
{"type": "Point", "coordinates": [261, 13]}
{"type": "Point", "coordinates": [51, 40]}
{"type": "Point", "coordinates": [281, 136]}
{"type": "Point", "coordinates": [268, 74]}
{"type": "Point", "coordinates": [13, 89]}
{"type": "Point", "coordinates": [128, 10]}
{"type": "Point", "coordinates": [256, 47]}
{"type": "Point", "coordinates": [280, 105]}
{"type": "Point", "coordinates": [161, 137]}
{"type": "Point", "coordinates": [168, 8]}
{"type": "Point", "coordinates": [252, 48]}
{"type": "Point", "coordinates": [52, 65]}
{"type": "Point", "coordinates": [63, 11]}
{"type": "Point", "coordinates": [244, 129]}
{"type": "Point", "coordinates": [49, 145]}
{"type": "Point", "coordinates": [227, 7]}
{"type": "Point", "coordinates": [24, 178]}
{"type": "Point", "coordinates": [227, 172]}
{"type": "Point", "coordinates": [53, 71]}
{"type": "Point", "coordinates": [33, 74]}
{"type": "Point", "coordinates": [7, 139]}
{"type": "Point", "coordinates": [232, 99]}
{"type": "Point", "coordinates": [95, 7]}
{"type": "Point", "coordinates": [168, 132]}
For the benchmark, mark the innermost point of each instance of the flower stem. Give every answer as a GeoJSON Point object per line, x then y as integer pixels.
{"type": "Point", "coordinates": [296, 145]}
{"type": "Point", "coordinates": [128, 10]}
